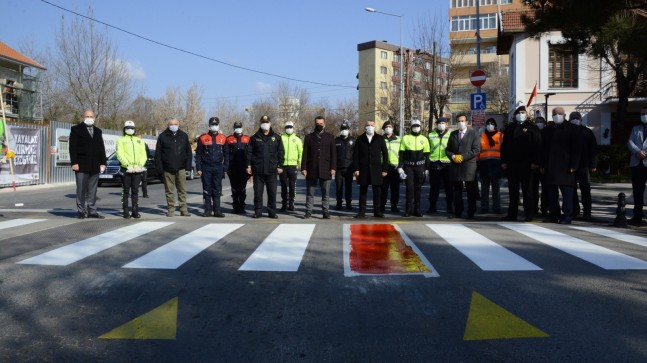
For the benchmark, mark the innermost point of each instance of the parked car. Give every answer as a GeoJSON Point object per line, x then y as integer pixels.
{"type": "Point", "coordinates": [113, 173]}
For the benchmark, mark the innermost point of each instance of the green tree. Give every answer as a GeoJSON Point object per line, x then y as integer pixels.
{"type": "Point", "coordinates": [614, 31]}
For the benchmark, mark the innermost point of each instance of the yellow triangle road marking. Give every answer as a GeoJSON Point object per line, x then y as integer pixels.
{"type": "Point", "coordinates": [159, 323]}
{"type": "Point", "coordinates": [487, 320]}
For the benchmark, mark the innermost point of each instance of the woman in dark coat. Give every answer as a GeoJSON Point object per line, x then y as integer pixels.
{"type": "Point", "coordinates": [371, 161]}
{"type": "Point", "coordinates": [462, 152]}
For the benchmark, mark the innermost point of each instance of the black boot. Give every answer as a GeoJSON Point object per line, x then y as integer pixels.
{"type": "Point", "coordinates": [125, 210]}
{"type": "Point", "coordinates": [207, 208]}
{"type": "Point", "coordinates": [284, 206]}
{"type": "Point", "coordinates": [291, 206]}
{"type": "Point", "coordinates": [136, 211]}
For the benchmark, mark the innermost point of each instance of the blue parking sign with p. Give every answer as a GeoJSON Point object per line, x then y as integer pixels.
{"type": "Point", "coordinates": [478, 101]}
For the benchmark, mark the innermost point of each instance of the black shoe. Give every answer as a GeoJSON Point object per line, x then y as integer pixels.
{"type": "Point", "coordinates": [564, 221]}
{"type": "Point", "coordinates": [136, 214]}
{"type": "Point", "coordinates": [360, 215]}
{"type": "Point", "coordinates": [636, 222]}
{"type": "Point", "coordinates": [206, 213]}
{"type": "Point", "coordinates": [145, 196]}
{"type": "Point", "coordinates": [509, 219]}
{"type": "Point", "coordinates": [218, 215]}
{"type": "Point", "coordinates": [587, 217]}
{"type": "Point", "coordinates": [257, 215]}
{"type": "Point", "coordinates": [395, 209]}
{"type": "Point", "coordinates": [528, 219]}
{"type": "Point", "coordinates": [550, 220]}
{"type": "Point", "coordinates": [406, 215]}
{"type": "Point", "coordinates": [273, 216]}
{"type": "Point", "coordinates": [382, 209]}
{"type": "Point", "coordinates": [339, 206]}
{"type": "Point", "coordinates": [496, 211]}
{"type": "Point", "coordinates": [307, 216]}
{"type": "Point", "coordinates": [484, 211]}
{"type": "Point", "coordinates": [417, 214]}
{"type": "Point", "coordinates": [283, 208]}
{"type": "Point", "coordinates": [326, 216]}
{"type": "Point", "coordinates": [291, 207]}
{"type": "Point", "coordinates": [95, 215]}
{"type": "Point", "coordinates": [378, 215]}
{"type": "Point", "coordinates": [431, 211]}
{"type": "Point", "coordinates": [80, 215]}
{"type": "Point", "coordinates": [349, 206]}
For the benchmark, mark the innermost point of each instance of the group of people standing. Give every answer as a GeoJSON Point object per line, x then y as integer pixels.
{"type": "Point", "coordinates": [558, 155]}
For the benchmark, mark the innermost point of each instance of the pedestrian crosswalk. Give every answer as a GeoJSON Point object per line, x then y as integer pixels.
{"type": "Point", "coordinates": [366, 249]}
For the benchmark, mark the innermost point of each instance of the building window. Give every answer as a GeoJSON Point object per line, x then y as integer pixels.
{"type": "Point", "coordinates": [383, 85]}
{"type": "Point", "coordinates": [468, 22]}
{"type": "Point", "coordinates": [384, 55]}
{"type": "Point", "coordinates": [488, 2]}
{"type": "Point", "coordinates": [562, 67]}
{"type": "Point", "coordinates": [462, 3]}
{"type": "Point", "coordinates": [505, 2]}
{"type": "Point", "coordinates": [383, 101]}
{"type": "Point", "coordinates": [382, 70]}
{"type": "Point", "coordinates": [396, 72]}
{"type": "Point", "coordinates": [396, 57]}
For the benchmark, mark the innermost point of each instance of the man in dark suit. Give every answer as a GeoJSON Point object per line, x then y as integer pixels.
{"type": "Point", "coordinates": [88, 158]}
{"type": "Point", "coordinates": [371, 161]}
{"type": "Point", "coordinates": [463, 146]}
{"type": "Point", "coordinates": [318, 165]}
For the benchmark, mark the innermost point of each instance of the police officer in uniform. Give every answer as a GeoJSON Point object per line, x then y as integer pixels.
{"type": "Point", "coordinates": [238, 144]}
{"type": "Point", "coordinates": [414, 157]}
{"type": "Point", "coordinates": [293, 147]}
{"type": "Point", "coordinates": [211, 161]}
{"type": "Point", "coordinates": [265, 156]}
{"type": "Point", "coordinates": [392, 179]}
{"type": "Point", "coordinates": [439, 167]}
{"type": "Point", "coordinates": [344, 175]}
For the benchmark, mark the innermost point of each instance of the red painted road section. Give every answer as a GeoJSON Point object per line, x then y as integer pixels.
{"type": "Point", "coordinates": [380, 249]}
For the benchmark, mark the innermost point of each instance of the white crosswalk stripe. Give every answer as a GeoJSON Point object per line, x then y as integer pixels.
{"type": "Point", "coordinates": [68, 254]}
{"type": "Point", "coordinates": [19, 222]}
{"type": "Point", "coordinates": [597, 255]}
{"type": "Point", "coordinates": [640, 241]}
{"type": "Point", "coordinates": [486, 254]}
{"type": "Point", "coordinates": [282, 250]}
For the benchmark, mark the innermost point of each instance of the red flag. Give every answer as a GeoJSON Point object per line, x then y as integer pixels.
{"type": "Point", "coordinates": [532, 95]}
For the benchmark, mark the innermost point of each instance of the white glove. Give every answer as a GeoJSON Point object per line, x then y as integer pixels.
{"type": "Point", "coordinates": [403, 176]}
{"type": "Point", "coordinates": [426, 172]}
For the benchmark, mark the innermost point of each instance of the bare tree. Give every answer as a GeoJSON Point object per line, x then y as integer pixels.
{"type": "Point", "coordinates": [344, 110]}
{"type": "Point", "coordinates": [194, 121]}
{"type": "Point", "coordinates": [497, 89]}
{"type": "Point", "coordinates": [228, 112]}
{"type": "Point", "coordinates": [142, 111]}
{"type": "Point", "coordinates": [89, 73]}
{"type": "Point", "coordinates": [169, 105]}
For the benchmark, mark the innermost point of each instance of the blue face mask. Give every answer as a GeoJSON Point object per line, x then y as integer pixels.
{"type": "Point", "coordinates": [174, 128]}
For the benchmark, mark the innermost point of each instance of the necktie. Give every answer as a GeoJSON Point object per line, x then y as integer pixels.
{"type": "Point", "coordinates": [91, 131]}
{"type": "Point", "coordinates": [460, 135]}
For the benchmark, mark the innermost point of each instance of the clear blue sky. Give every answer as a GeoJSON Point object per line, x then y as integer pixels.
{"type": "Point", "coordinates": [308, 40]}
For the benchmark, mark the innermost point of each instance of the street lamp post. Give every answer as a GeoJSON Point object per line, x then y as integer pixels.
{"type": "Point", "coordinates": [546, 104]}
{"type": "Point", "coordinates": [371, 10]}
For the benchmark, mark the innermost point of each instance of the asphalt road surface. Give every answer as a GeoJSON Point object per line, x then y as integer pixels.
{"type": "Point", "coordinates": [194, 289]}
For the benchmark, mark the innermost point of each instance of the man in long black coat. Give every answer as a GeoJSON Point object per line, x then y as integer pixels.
{"type": "Point", "coordinates": [561, 157]}
{"type": "Point", "coordinates": [88, 159]}
{"type": "Point", "coordinates": [463, 146]}
{"type": "Point", "coordinates": [318, 165]}
{"type": "Point", "coordinates": [371, 161]}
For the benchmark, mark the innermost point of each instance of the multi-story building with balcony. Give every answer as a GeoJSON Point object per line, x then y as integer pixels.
{"type": "Point", "coordinates": [20, 82]}
{"type": "Point", "coordinates": [379, 79]}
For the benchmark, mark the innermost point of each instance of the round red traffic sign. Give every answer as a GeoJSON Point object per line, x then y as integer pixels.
{"type": "Point", "coordinates": [478, 78]}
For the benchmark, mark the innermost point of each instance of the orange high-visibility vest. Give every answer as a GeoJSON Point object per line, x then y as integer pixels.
{"type": "Point", "coordinates": [491, 152]}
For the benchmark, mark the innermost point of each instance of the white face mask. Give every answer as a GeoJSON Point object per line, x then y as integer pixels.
{"type": "Point", "coordinates": [643, 119]}
{"type": "Point", "coordinates": [174, 128]}
{"type": "Point", "coordinates": [540, 125]}
{"type": "Point", "coordinates": [370, 130]}
{"type": "Point", "coordinates": [576, 122]}
{"type": "Point", "coordinates": [130, 131]}
{"type": "Point", "coordinates": [441, 127]}
{"type": "Point", "coordinates": [462, 125]}
{"type": "Point", "coordinates": [558, 119]}
{"type": "Point", "coordinates": [238, 130]}
{"type": "Point", "coordinates": [265, 126]}
{"type": "Point", "coordinates": [88, 121]}
{"type": "Point", "coordinates": [520, 117]}
{"type": "Point", "coordinates": [388, 130]}
{"type": "Point", "coordinates": [415, 129]}
{"type": "Point", "coordinates": [343, 133]}
{"type": "Point", "coordinates": [289, 131]}
{"type": "Point", "coordinates": [489, 127]}
{"type": "Point", "coordinates": [214, 128]}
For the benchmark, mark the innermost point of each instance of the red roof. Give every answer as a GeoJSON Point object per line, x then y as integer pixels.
{"type": "Point", "coordinates": [14, 55]}
{"type": "Point", "coordinates": [512, 21]}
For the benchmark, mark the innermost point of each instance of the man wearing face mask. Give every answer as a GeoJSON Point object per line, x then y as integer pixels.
{"type": "Point", "coordinates": [562, 148]}
{"type": "Point", "coordinates": [88, 159]}
{"type": "Point", "coordinates": [637, 145]}
{"type": "Point", "coordinates": [439, 167]}
{"type": "Point", "coordinates": [520, 154]}
{"type": "Point", "coordinates": [293, 147]}
{"type": "Point", "coordinates": [489, 166]}
{"type": "Point", "coordinates": [392, 179]}
{"type": "Point", "coordinates": [265, 156]}
{"type": "Point", "coordinates": [211, 161]}
{"type": "Point", "coordinates": [344, 143]}
{"type": "Point", "coordinates": [588, 165]}
{"type": "Point", "coordinates": [238, 144]}
{"type": "Point", "coordinates": [463, 147]}
{"type": "Point", "coordinates": [132, 156]}
{"type": "Point", "coordinates": [537, 178]}
{"type": "Point", "coordinates": [172, 158]}
{"type": "Point", "coordinates": [371, 162]}
{"type": "Point", "coordinates": [318, 165]}
{"type": "Point", "coordinates": [413, 159]}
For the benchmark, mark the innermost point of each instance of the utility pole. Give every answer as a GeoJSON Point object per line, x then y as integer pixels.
{"type": "Point", "coordinates": [432, 104]}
